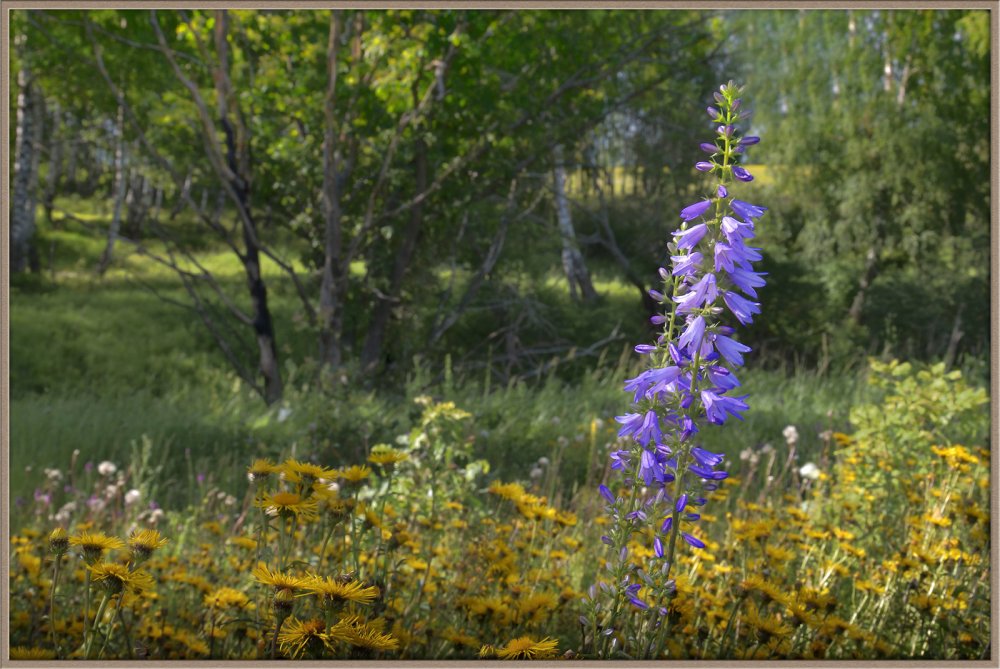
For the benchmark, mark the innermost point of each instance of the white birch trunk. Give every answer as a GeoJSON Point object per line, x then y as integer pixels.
{"type": "Point", "coordinates": [573, 263]}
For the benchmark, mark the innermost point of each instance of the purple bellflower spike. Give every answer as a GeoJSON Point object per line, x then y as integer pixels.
{"type": "Point", "coordinates": [709, 287]}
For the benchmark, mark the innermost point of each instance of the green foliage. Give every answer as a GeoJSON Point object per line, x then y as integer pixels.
{"type": "Point", "coordinates": [915, 411]}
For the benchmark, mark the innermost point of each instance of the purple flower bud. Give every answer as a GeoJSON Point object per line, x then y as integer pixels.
{"type": "Point", "coordinates": [736, 104]}
{"type": "Point", "coordinates": [703, 166]}
{"type": "Point", "coordinates": [583, 621]}
{"type": "Point", "coordinates": [725, 130]}
{"type": "Point", "coordinates": [623, 554]}
{"type": "Point", "coordinates": [719, 97]}
{"type": "Point", "coordinates": [657, 547]}
{"type": "Point", "coordinates": [656, 295]}
{"type": "Point", "coordinates": [606, 540]}
{"type": "Point", "coordinates": [709, 148]}
{"type": "Point", "coordinates": [644, 349]}
{"type": "Point", "coordinates": [749, 139]}
{"type": "Point", "coordinates": [657, 319]}
{"type": "Point", "coordinates": [721, 191]}
{"type": "Point", "coordinates": [712, 112]}
{"type": "Point", "coordinates": [638, 603]}
{"type": "Point", "coordinates": [668, 522]}
{"type": "Point", "coordinates": [741, 174]}
{"type": "Point", "coordinates": [681, 502]}
{"type": "Point", "coordinates": [694, 541]}
{"type": "Point", "coordinates": [606, 493]}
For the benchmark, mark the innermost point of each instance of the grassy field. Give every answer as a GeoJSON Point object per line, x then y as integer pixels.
{"type": "Point", "coordinates": [98, 364]}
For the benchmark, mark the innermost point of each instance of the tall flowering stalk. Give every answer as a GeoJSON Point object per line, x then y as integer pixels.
{"type": "Point", "coordinates": [709, 288]}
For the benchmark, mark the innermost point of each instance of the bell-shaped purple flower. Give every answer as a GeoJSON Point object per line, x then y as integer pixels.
{"type": "Point", "coordinates": [694, 541]}
{"type": "Point", "coordinates": [688, 238]}
{"type": "Point", "coordinates": [730, 349]}
{"type": "Point", "coordinates": [650, 468]}
{"type": "Point", "coordinates": [705, 291]}
{"type": "Point", "coordinates": [741, 174]}
{"type": "Point", "coordinates": [650, 429]}
{"type": "Point", "coordinates": [747, 211]}
{"type": "Point", "coordinates": [741, 307]}
{"type": "Point", "coordinates": [735, 230]}
{"type": "Point", "coordinates": [695, 210]}
{"type": "Point", "coordinates": [746, 280]}
{"type": "Point", "coordinates": [693, 333]}
{"type": "Point", "coordinates": [707, 458]}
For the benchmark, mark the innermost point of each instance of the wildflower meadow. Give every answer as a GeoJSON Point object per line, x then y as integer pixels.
{"type": "Point", "coordinates": [728, 478]}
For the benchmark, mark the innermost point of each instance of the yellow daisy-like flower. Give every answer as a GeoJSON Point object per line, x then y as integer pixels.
{"type": "Point", "coordinates": [460, 638]}
{"type": "Point", "coordinates": [297, 637]}
{"type": "Point", "coordinates": [225, 598]}
{"type": "Point", "coordinates": [93, 544]}
{"type": "Point", "coordinates": [361, 634]}
{"type": "Point", "coordinates": [260, 470]}
{"type": "Point", "coordinates": [58, 541]}
{"type": "Point", "coordinates": [386, 456]}
{"type": "Point", "coordinates": [296, 471]}
{"type": "Point", "coordinates": [338, 590]}
{"type": "Point", "coordinates": [144, 542]}
{"type": "Point", "coordinates": [116, 578]}
{"type": "Point", "coordinates": [243, 542]}
{"type": "Point", "coordinates": [26, 653]}
{"type": "Point", "coordinates": [277, 579]}
{"type": "Point", "coordinates": [767, 627]}
{"type": "Point", "coordinates": [526, 648]}
{"type": "Point", "coordinates": [355, 474]}
{"type": "Point", "coordinates": [290, 504]}
{"type": "Point", "coordinates": [511, 491]}
{"type": "Point", "coordinates": [537, 607]}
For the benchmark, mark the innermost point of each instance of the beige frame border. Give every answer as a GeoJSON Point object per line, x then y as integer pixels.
{"type": "Point", "coordinates": [7, 5]}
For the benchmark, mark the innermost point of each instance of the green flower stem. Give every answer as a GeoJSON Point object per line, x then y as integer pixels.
{"type": "Point", "coordinates": [86, 605]}
{"type": "Point", "coordinates": [52, 604]}
{"type": "Point", "coordinates": [93, 630]}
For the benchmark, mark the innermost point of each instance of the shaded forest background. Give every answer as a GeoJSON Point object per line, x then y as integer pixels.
{"type": "Point", "coordinates": [226, 218]}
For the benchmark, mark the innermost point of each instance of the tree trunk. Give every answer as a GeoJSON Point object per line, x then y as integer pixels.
{"type": "Point", "coordinates": [22, 215]}
{"type": "Point", "coordinates": [573, 264]}
{"type": "Point", "coordinates": [73, 151]}
{"type": "Point", "coordinates": [120, 186]}
{"type": "Point", "coordinates": [404, 255]}
{"type": "Point", "coordinates": [238, 162]}
{"type": "Point", "coordinates": [37, 133]}
{"type": "Point", "coordinates": [331, 294]}
{"type": "Point", "coordinates": [56, 137]}
{"type": "Point", "coordinates": [864, 283]}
